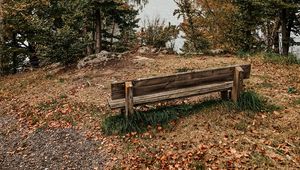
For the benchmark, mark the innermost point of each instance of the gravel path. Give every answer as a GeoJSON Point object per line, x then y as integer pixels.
{"type": "Point", "coordinates": [47, 149]}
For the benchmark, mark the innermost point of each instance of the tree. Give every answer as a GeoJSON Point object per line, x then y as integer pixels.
{"type": "Point", "coordinates": [195, 41]}
{"type": "Point", "coordinates": [239, 25]}
{"type": "Point", "coordinates": [63, 31]}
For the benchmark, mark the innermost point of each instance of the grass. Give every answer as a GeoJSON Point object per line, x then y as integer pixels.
{"type": "Point", "coordinates": [199, 165]}
{"type": "Point", "coordinates": [292, 90]}
{"type": "Point", "coordinates": [140, 121]}
{"type": "Point", "coordinates": [297, 102]}
{"type": "Point", "coordinates": [242, 125]}
{"type": "Point", "coordinates": [250, 100]}
{"type": "Point", "coordinates": [48, 105]}
{"type": "Point", "coordinates": [183, 69]}
{"type": "Point", "coordinates": [278, 59]}
{"type": "Point", "coordinates": [266, 85]}
{"type": "Point", "coordinates": [261, 160]}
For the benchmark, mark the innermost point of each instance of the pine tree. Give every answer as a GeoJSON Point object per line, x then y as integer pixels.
{"type": "Point", "coordinates": [63, 31]}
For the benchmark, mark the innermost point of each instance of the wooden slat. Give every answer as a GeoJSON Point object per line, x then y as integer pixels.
{"type": "Point", "coordinates": [175, 94]}
{"type": "Point", "coordinates": [159, 84]}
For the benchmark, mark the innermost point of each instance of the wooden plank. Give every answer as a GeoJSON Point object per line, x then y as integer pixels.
{"type": "Point", "coordinates": [173, 85]}
{"type": "Point", "coordinates": [159, 84]}
{"type": "Point", "coordinates": [237, 84]}
{"type": "Point", "coordinates": [175, 94]}
{"type": "Point", "coordinates": [129, 98]}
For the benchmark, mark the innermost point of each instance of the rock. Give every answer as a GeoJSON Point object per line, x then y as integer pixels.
{"type": "Point", "coordinates": [164, 52]}
{"type": "Point", "coordinates": [142, 60]}
{"type": "Point", "coordinates": [153, 50]}
{"type": "Point", "coordinates": [144, 50]}
{"type": "Point", "coordinates": [97, 59]}
{"type": "Point", "coordinates": [217, 51]}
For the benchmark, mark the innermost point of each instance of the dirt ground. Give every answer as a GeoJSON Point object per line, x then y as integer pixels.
{"type": "Point", "coordinates": [51, 119]}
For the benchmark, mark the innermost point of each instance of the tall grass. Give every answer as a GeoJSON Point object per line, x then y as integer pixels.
{"type": "Point", "coordinates": [250, 100]}
{"type": "Point", "coordinates": [140, 121]}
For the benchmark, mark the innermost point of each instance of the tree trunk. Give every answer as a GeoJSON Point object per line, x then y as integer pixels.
{"type": "Point", "coordinates": [291, 18]}
{"type": "Point", "coordinates": [1, 39]}
{"type": "Point", "coordinates": [98, 31]}
{"type": "Point", "coordinates": [276, 43]}
{"type": "Point", "coordinates": [275, 36]}
{"type": "Point", "coordinates": [284, 32]}
{"type": "Point", "coordinates": [112, 36]}
{"type": "Point", "coordinates": [14, 55]}
{"type": "Point", "coordinates": [85, 32]}
{"type": "Point", "coordinates": [34, 60]}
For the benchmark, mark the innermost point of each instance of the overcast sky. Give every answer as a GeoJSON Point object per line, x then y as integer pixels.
{"type": "Point", "coordinates": [162, 8]}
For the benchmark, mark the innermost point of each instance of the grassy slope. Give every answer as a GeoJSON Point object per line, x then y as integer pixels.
{"type": "Point", "coordinates": [216, 138]}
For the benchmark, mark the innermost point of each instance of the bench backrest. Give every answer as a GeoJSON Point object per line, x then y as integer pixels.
{"type": "Point", "coordinates": [146, 86]}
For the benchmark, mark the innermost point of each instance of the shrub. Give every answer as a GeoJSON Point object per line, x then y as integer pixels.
{"type": "Point", "coordinates": [156, 33]}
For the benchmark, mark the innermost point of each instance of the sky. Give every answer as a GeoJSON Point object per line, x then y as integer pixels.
{"type": "Point", "coordinates": [163, 9]}
{"type": "Point", "coordinates": [160, 8]}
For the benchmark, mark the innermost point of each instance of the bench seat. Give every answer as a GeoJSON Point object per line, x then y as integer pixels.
{"type": "Point", "coordinates": [174, 94]}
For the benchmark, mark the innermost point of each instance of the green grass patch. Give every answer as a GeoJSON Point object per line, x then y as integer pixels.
{"type": "Point", "coordinates": [241, 126]}
{"type": "Point", "coordinates": [266, 85]}
{"type": "Point", "coordinates": [292, 90]}
{"type": "Point", "coordinates": [48, 105]}
{"type": "Point", "coordinates": [198, 165]}
{"type": "Point", "coordinates": [297, 102]}
{"type": "Point", "coordinates": [251, 101]}
{"type": "Point", "coordinates": [278, 59]}
{"type": "Point", "coordinates": [139, 121]}
{"type": "Point", "coordinates": [61, 80]}
{"type": "Point", "coordinates": [261, 160]}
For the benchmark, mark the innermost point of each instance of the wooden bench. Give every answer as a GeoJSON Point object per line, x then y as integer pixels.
{"type": "Point", "coordinates": [128, 94]}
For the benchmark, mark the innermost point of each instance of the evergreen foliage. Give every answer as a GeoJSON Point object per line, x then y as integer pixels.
{"type": "Point", "coordinates": [240, 25]}
{"type": "Point", "coordinates": [63, 31]}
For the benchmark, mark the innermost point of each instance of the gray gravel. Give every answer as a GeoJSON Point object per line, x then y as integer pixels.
{"type": "Point", "coordinates": [47, 149]}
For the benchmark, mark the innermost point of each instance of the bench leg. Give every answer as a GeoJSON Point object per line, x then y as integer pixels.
{"type": "Point", "coordinates": [225, 95]}
{"type": "Point", "coordinates": [122, 111]}
{"type": "Point", "coordinates": [237, 84]}
{"type": "Point", "coordinates": [128, 98]}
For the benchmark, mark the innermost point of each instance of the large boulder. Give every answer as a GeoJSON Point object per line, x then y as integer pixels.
{"type": "Point", "coordinates": [98, 59]}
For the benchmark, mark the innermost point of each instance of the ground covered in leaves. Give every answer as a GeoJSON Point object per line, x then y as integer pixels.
{"type": "Point", "coordinates": [51, 119]}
